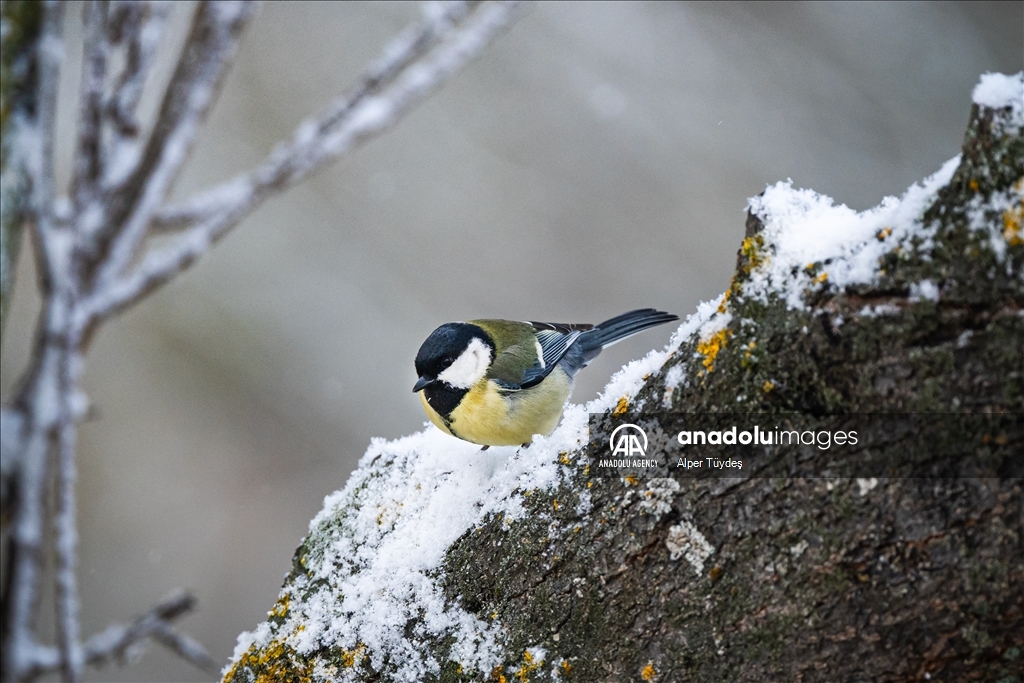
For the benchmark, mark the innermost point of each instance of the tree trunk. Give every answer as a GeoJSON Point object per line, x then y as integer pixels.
{"type": "Point", "coordinates": [801, 577]}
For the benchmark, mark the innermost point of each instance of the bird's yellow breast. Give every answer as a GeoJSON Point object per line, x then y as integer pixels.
{"type": "Point", "coordinates": [490, 417]}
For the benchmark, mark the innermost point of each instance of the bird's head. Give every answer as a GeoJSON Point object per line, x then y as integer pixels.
{"type": "Point", "coordinates": [455, 354]}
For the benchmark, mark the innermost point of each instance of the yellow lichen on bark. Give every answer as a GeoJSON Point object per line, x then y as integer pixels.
{"type": "Point", "coordinates": [281, 607]}
{"type": "Point", "coordinates": [725, 300]}
{"type": "Point", "coordinates": [529, 665]}
{"type": "Point", "coordinates": [1013, 219]}
{"type": "Point", "coordinates": [621, 407]}
{"type": "Point", "coordinates": [751, 250]}
{"type": "Point", "coordinates": [710, 347]}
{"type": "Point", "coordinates": [272, 664]}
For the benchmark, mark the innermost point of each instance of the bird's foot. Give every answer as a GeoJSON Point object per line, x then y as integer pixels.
{"type": "Point", "coordinates": [484, 449]}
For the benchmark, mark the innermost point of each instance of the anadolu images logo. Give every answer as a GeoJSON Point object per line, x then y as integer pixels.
{"type": "Point", "coordinates": [625, 441]}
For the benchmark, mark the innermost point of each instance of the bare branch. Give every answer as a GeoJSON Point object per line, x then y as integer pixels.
{"type": "Point", "coordinates": [210, 46]}
{"type": "Point", "coordinates": [87, 165]}
{"type": "Point", "coordinates": [186, 647]}
{"type": "Point", "coordinates": [316, 142]}
{"type": "Point", "coordinates": [26, 544]}
{"type": "Point", "coordinates": [139, 26]}
{"type": "Point", "coordinates": [438, 21]}
{"type": "Point", "coordinates": [68, 605]}
{"type": "Point", "coordinates": [26, 541]}
{"type": "Point", "coordinates": [113, 643]}
{"type": "Point", "coordinates": [41, 168]}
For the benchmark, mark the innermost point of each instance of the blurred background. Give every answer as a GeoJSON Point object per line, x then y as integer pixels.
{"type": "Point", "coordinates": [597, 158]}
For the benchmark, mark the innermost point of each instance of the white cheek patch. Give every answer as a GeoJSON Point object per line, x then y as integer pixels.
{"type": "Point", "coordinates": [469, 367]}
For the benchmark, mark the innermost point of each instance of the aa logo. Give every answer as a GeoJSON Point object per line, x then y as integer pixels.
{"type": "Point", "coordinates": [628, 441]}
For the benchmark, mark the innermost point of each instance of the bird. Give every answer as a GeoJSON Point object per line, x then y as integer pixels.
{"type": "Point", "coordinates": [500, 382]}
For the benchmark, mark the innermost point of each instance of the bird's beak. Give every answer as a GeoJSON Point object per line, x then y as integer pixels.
{"type": "Point", "coordinates": [421, 383]}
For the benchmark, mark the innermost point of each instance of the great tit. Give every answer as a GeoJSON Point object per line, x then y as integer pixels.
{"type": "Point", "coordinates": [500, 382]}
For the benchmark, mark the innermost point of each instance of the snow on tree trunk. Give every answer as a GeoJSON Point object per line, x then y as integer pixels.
{"type": "Point", "coordinates": [439, 562]}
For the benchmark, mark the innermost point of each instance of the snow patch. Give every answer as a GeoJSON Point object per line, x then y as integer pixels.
{"type": "Point", "coordinates": [625, 383]}
{"type": "Point", "coordinates": [673, 379]}
{"type": "Point", "coordinates": [991, 215]}
{"type": "Point", "coordinates": [376, 549]}
{"type": "Point", "coordinates": [811, 243]}
{"type": "Point", "coordinates": [997, 91]}
{"type": "Point", "coordinates": [378, 544]}
{"type": "Point", "coordinates": [925, 289]}
{"type": "Point", "coordinates": [877, 310]}
{"type": "Point", "coordinates": [372, 113]}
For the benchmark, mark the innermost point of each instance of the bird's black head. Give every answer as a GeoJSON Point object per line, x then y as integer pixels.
{"type": "Point", "coordinates": [456, 354]}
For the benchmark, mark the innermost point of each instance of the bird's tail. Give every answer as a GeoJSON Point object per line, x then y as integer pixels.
{"type": "Point", "coordinates": [618, 328]}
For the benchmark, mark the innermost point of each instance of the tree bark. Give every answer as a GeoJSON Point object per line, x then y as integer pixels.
{"type": "Point", "coordinates": [802, 577]}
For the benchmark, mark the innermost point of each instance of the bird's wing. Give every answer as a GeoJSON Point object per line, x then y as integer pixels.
{"type": "Point", "coordinates": [512, 372]}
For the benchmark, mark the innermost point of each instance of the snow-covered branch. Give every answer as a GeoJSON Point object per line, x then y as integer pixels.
{"type": "Point", "coordinates": [138, 26]}
{"type": "Point", "coordinates": [439, 21]}
{"type": "Point", "coordinates": [114, 643]}
{"type": "Point", "coordinates": [94, 69]}
{"type": "Point", "coordinates": [66, 531]}
{"type": "Point", "coordinates": [41, 161]}
{"type": "Point", "coordinates": [88, 248]}
{"type": "Point", "coordinates": [211, 45]}
{"type": "Point", "coordinates": [405, 75]}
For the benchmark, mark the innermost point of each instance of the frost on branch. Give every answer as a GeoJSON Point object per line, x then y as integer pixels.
{"type": "Point", "coordinates": [95, 256]}
{"type": "Point", "coordinates": [439, 562]}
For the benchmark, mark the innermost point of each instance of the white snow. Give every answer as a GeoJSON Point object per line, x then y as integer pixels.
{"type": "Point", "coordinates": [925, 289]}
{"type": "Point", "coordinates": [385, 534]}
{"type": "Point", "coordinates": [996, 90]}
{"type": "Point", "coordinates": [987, 215]}
{"type": "Point", "coordinates": [811, 243]}
{"type": "Point", "coordinates": [388, 531]}
{"type": "Point", "coordinates": [880, 309]}
{"type": "Point", "coordinates": [383, 537]}
{"type": "Point", "coordinates": [378, 544]}
{"type": "Point", "coordinates": [673, 379]}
